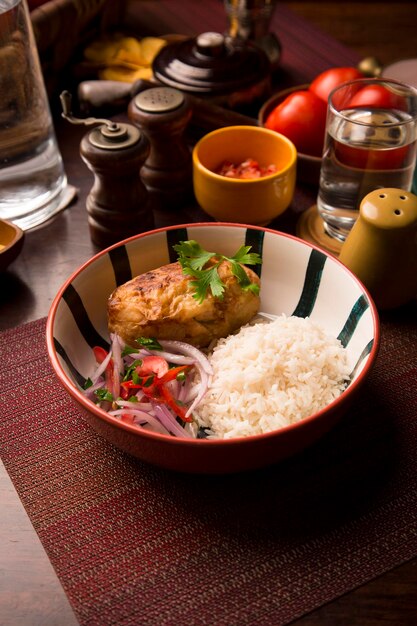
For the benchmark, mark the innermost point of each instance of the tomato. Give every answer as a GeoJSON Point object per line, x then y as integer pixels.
{"type": "Point", "coordinates": [302, 118]}
{"type": "Point", "coordinates": [376, 96]}
{"type": "Point", "coordinates": [371, 159]}
{"type": "Point", "coordinates": [100, 354]}
{"type": "Point", "coordinates": [325, 82]}
{"type": "Point", "coordinates": [127, 418]}
{"type": "Point", "coordinates": [153, 365]}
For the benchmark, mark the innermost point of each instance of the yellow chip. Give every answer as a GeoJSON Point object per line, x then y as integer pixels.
{"type": "Point", "coordinates": [130, 50]}
{"type": "Point", "coordinates": [150, 48]}
{"type": "Point", "coordinates": [125, 75]}
{"type": "Point", "coordinates": [102, 51]}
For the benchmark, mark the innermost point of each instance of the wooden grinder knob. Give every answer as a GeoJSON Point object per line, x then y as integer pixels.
{"type": "Point", "coordinates": [162, 113]}
{"type": "Point", "coordinates": [118, 203]}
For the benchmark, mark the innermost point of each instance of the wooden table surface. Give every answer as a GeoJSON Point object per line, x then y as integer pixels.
{"type": "Point", "coordinates": [30, 592]}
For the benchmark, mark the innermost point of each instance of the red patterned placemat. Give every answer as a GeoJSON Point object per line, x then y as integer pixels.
{"type": "Point", "coordinates": [134, 545]}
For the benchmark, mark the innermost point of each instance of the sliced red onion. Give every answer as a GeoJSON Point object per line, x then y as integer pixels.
{"type": "Point", "coordinates": [169, 422]}
{"type": "Point", "coordinates": [205, 381]}
{"type": "Point", "coordinates": [136, 406]}
{"type": "Point", "coordinates": [138, 355]}
{"type": "Point", "coordinates": [178, 359]}
{"type": "Point", "coordinates": [101, 368]}
{"type": "Point", "coordinates": [118, 366]}
{"type": "Point", "coordinates": [116, 350]}
{"type": "Point", "coordinates": [92, 388]}
{"type": "Point", "coordinates": [188, 350]}
{"type": "Point", "coordinates": [191, 393]}
{"type": "Point", "coordinates": [142, 417]}
{"type": "Point", "coordinates": [184, 390]}
{"type": "Point", "coordinates": [173, 387]}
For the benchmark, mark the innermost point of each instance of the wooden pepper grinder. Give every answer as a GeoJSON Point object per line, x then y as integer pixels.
{"type": "Point", "coordinates": [118, 203]}
{"type": "Point", "coordinates": [162, 113]}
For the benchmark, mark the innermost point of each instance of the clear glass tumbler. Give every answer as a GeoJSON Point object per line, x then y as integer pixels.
{"type": "Point", "coordinates": [371, 143]}
{"type": "Point", "coordinates": [32, 176]}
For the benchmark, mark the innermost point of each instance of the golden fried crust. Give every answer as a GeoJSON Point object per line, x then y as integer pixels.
{"type": "Point", "coordinates": [160, 304]}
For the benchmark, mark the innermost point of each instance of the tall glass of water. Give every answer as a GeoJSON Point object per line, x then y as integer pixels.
{"type": "Point", "coordinates": [32, 177]}
{"type": "Point", "coordinates": [371, 143]}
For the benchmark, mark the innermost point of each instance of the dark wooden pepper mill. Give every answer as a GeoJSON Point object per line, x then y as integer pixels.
{"type": "Point", "coordinates": [118, 203]}
{"type": "Point", "coordinates": [162, 114]}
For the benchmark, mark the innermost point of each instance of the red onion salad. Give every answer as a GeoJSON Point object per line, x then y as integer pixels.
{"type": "Point", "coordinates": [155, 386]}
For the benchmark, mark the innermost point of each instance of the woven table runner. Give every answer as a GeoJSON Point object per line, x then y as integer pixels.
{"type": "Point", "coordinates": [132, 544]}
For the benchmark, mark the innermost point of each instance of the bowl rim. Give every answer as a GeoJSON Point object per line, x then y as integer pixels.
{"type": "Point", "coordinates": [90, 407]}
{"type": "Point", "coordinates": [247, 181]}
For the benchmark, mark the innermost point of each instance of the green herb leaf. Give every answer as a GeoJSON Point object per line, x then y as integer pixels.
{"type": "Point", "coordinates": [191, 254]}
{"type": "Point", "coordinates": [239, 272]}
{"type": "Point", "coordinates": [149, 342]}
{"type": "Point", "coordinates": [193, 259]}
{"type": "Point", "coordinates": [88, 383]}
{"type": "Point", "coordinates": [128, 350]}
{"type": "Point", "coordinates": [206, 279]}
{"type": "Point", "coordinates": [104, 395]}
{"type": "Point", "coordinates": [131, 370]}
{"type": "Point", "coordinates": [243, 257]}
{"type": "Point", "coordinates": [251, 287]}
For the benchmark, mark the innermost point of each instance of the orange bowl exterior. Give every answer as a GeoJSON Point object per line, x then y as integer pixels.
{"type": "Point", "coordinates": [254, 201]}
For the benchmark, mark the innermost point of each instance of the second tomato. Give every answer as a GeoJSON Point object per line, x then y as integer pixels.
{"type": "Point", "coordinates": [325, 82]}
{"type": "Point", "coordinates": [302, 118]}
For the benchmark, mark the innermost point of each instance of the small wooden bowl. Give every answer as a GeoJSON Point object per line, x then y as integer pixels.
{"type": "Point", "coordinates": [308, 167]}
{"type": "Point", "coordinates": [11, 242]}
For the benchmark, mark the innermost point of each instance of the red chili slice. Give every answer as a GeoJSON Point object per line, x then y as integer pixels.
{"type": "Point", "coordinates": [173, 373]}
{"type": "Point", "coordinates": [171, 402]}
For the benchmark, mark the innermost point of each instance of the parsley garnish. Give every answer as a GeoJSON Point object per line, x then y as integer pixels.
{"type": "Point", "coordinates": [149, 342]}
{"type": "Point", "coordinates": [131, 370]}
{"type": "Point", "coordinates": [128, 350]}
{"type": "Point", "coordinates": [193, 258]}
{"type": "Point", "coordinates": [104, 395]}
{"type": "Point", "coordinates": [181, 377]}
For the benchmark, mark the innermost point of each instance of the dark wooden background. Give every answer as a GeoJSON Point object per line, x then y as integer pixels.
{"type": "Point", "coordinates": [386, 30]}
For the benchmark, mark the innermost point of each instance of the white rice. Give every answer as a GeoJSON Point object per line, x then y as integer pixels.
{"type": "Point", "coordinates": [270, 375]}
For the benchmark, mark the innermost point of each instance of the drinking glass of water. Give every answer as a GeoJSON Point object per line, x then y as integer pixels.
{"type": "Point", "coordinates": [371, 143]}
{"type": "Point", "coordinates": [32, 177]}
